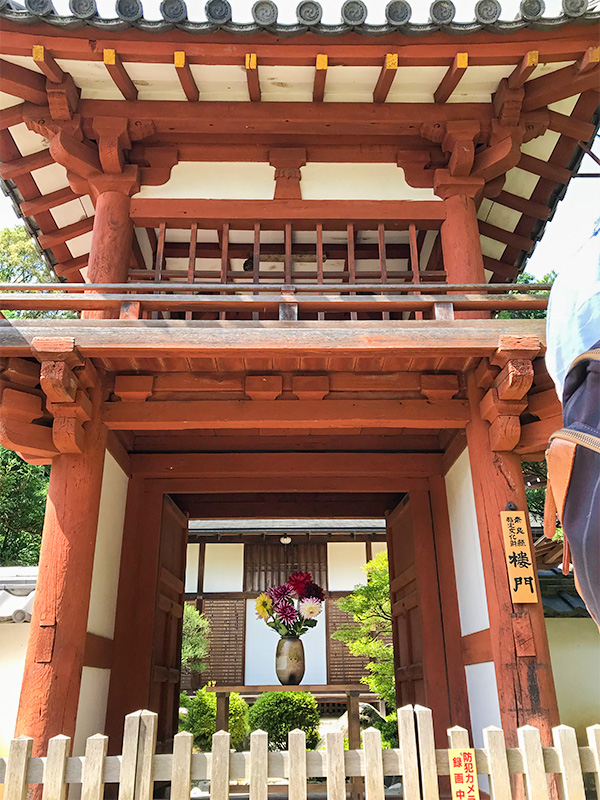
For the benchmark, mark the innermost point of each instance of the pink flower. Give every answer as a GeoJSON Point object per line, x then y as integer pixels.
{"type": "Point", "coordinates": [278, 593]}
{"type": "Point", "coordinates": [310, 607]}
{"type": "Point", "coordinates": [286, 612]}
{"type": "Point", "coordinates": [299, 580]}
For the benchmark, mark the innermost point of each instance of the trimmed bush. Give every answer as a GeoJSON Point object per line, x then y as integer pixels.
{"type": "Point", "coordinates": [201, 718]}
{"type": "Point", "coordinates": [278, 713]}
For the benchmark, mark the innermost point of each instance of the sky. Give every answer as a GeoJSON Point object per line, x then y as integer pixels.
{"type": "Point", "coordinates": [575, 216]}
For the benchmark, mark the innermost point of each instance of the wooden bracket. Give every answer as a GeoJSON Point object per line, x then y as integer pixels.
{"type": "Point", "coordinates": [63, 98]}
{"type": "Point", "coordinates": [263, 387]}
{"type": "Point", "coordinates": [439, 388]}
{"type": "Point", "coordinates": [503, 416]}
{"type": "Point", "coordinates": [485, 373]}
{"type": "Point", "coordinates": [112, 134]}
{"type": "Point", "coordinates": [515, 379]}
{"type": "Point", "coordinates": [446, 185]}
{"type": "Point", "coordinates": [519, 347]}
{"type": "Point", "coordinates": [133, 388]}
{"type": "Point", "coordinates": [310, 387]}
{"type": "Point", "coordinates": [287, 162]}
{"type": "Point", "coordinates": [459, 140]}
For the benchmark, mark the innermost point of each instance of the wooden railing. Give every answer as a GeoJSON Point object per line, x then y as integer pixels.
{"type": "Point", "coordinates": [419, 764]}
{"type": "Point", "coordinates": [272, 301]}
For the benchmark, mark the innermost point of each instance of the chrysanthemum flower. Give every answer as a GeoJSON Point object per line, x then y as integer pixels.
{"type": "Point", "coordinates": [278, 593]}
{"type": "Point", "coordinates": [310, 607]}
{"type": "Point", "coordinates": [264, 606]}
{"type": "Point", "coordinates": [286, 612]}
{"type": "Point", "coordinates": [311, 590]}
{"type": "Point", "coordinates": [299, 580]}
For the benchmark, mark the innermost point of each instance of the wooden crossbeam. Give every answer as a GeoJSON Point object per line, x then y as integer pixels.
{"type": "Point", "coordinates": [184, 73]}
{"type": "Point", "coordinates": [47, 201]}
{"type": "Point", "coordinates": [576, 129]}
{"type": "Point", "coordinates": [71, 269]}
{"type": "Point", "coordinates": [545, 169]}
{"type": "Point", "coordinates": [11, 116]}
{"type": "Point", "coordinates": [118, 73]}
{"type": "Point", "coordinates": [452, 78]}
{"type": "Point", "coordinates": [523, 70]}
{"type": "Point", "coordinates": [252, 77]}
{"type": "Point", "coordinates": [320, 78]}
{"type": "Point", "coordinates": [500, 268]}
{"type": "Point", "coordinates": [22, 82]}
{"type": "Point", "coordinates": [23, 166]}
{"type": "Point", "coordinates": [276, 415]}
{"type": "Point", "coordinates": [527, 207]}
{"type": "Point", "coordinates": [62, 235]}
{"type": "Point", "coordinates": [558, 85]}
{"type": "Point", "coordinates": [386, 78]}
{"type": "Point", "coordinates": [46, 63]}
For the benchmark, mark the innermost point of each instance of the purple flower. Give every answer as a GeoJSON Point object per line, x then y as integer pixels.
{"type": "Point", "coordinates": [312, 590]}
{"type": "Point", "coordinates": [278, 593]}
{"type": "Point", "coordinates": [286, 612]}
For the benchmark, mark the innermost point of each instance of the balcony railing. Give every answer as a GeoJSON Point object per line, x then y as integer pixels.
{"type": "Point", "coordinates": [334, 302]}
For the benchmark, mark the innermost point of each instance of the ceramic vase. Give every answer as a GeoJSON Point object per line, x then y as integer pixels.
{"type": "Point", "coordinates": [289, 660]}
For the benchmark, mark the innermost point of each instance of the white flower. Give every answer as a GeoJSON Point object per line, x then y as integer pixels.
{"type": "Point", "coordinates": [310, 607]}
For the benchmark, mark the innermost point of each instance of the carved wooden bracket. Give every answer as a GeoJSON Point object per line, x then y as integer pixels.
{"type": "Point", "coordinates": [287, 162]}
{"type": "Point", "coordinates": [439, 388]}
{"type": "Point", "coordinates": [263, 387]}
{"type": "Point", "coordinates": [133, 388]}
{"type": "Point", "coordinates": [459, 140]}
{"type": "Point", "coordinates": [446, 185]}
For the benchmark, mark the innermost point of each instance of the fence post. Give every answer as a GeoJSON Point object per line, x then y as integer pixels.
{"type": "Point", "coordinates": [259, 768]}
{"type": "Point", "coordinates": [374, 789]}
{"type": "Point", "coordinates": [219, 766]}
{"type": "Point", "coordinates": [336, 768]}
{"type": "Point", "coordinates": [15, 782]}
{"type": "Point", "coordinates": [92, 779]}
{"type": "Point", "coordinates": [408, 753]}
{"type": "Point", "coordinates": [427, 760]}
{"type": "Point", "coordinates": [571, 777]}
{"type": "Point", "coordinates": [497, 763]}
{"type": "Point", "coordinates": [181, 771]}
{"type": "Point", "coordinates": [139, 742]}
{"type": "Point", "coordinates": [297, 765]}
{"type": "Point", "coordinates": [55, 768]}
{"type": "Point", "coordinates": [593, 733]}
{"type": "Point", "coordinates": [530, 745]}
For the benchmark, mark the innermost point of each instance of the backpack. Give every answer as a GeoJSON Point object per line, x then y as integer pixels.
{"type": "Point", "coordinates": [573, 458]}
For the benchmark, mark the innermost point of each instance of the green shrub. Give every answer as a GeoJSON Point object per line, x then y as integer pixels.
{"type": "Point", "coordinates": [194, 639]}
{"type": "Point", "coordinates": [389, 731]}
{"type": "Point", "coordinates": [278, 713]}
{"type": "Point", "coordinates": [201, 718]}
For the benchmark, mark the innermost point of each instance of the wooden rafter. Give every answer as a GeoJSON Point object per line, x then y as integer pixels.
{"type": "Point", "coordinates": [184, 73]}
{"type": "Point", "coordinates": [22, 82]}
{"type": "Point", "coordinates": [46, 63]}
{"type": "Point", "coordinates": [523, 71]}
{"type": "Point", "coordinates": [62, 235]}
{"type": "Point", "coordinates": [11, 116]}
{"type": "Point", "coordinates": [558, 85]}
{"type": "Point", "coordinates": [25, 165]}
{"type": "Point", "coordinates": [386, 78]}
{"type": "Point", "coordinates": [116, 70]}
{"type": "Point", "coordinates": [545, 169]}
{"type": "Point", "coordinates": [320, 78]}
{"type": "Point", "coordinates": [252, 77]}
{"type": "Point", "coordinates": [452, 78]}
{"type": "Point", "coordinates": [528, 207]}
{"type": "Point", "coordinates": [572, 127]}
{"type": "Point", "coordinates": [504, 236]}
{"type": "Point", "coordinates": [47, 201]}
{"type": "Point", "coordinates": [589, 60]}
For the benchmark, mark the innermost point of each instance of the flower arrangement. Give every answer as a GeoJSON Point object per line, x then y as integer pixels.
{"type": "Point", "coordinates": [291, 609]}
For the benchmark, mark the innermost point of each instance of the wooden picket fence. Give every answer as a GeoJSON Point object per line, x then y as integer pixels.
{"type": "Point", "coordinates": [416, 760]}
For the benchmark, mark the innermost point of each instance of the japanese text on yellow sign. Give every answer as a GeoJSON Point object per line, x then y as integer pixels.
{"type": "Point", "coordinates": [519, 559]}
{"type": "Point", "coordinates": [463, 775]}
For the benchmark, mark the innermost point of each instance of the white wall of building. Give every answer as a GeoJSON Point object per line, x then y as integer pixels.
{"type": "Point", "coordinates": [345, 561]}
{"type": "Point", "coordinates": [575, 656]}
{"type": "Point", "coordinates": [261, 643]}
{"type": "Point", "coordinates": [468, 566]}
{"type": "Point", "coordinates": [13, 646]}
{"type": "Point", "coordinates": [378, 547]}
{"type": "Point", "coordinates": [223, 567]}
{"type": "Point", "coordinates": [192, 562]}
{"type": "Point", "coordinates": [216, 180]}
{"type": "Point", "coordinates": [91, 710]}
{"type": "Point", "coordinates": [358, 182]}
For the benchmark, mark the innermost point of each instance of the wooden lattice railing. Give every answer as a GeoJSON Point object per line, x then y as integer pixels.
{"type": "Point", "coordinates": [416, 761]}
{"type": "Point", "coordinates": [272, 301]}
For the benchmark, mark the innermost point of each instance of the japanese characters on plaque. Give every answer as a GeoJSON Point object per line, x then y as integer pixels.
{"type": "Point", "coordinates": [519, 558]}
{"type": "Point", "coordinates": [463, 775]}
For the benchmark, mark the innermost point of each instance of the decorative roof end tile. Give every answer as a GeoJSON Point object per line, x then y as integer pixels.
{"type": "Point", "coordinates": [264, 12]}
{"type": "Point", "coordinates": [488, 11]}
{"type": "Point", "coordinates": [442, 12]}
{"type": "Point", "coordinates": [398, 12]}
{"type": "Point", "coordinates": [40, 8]}
{"type": "Point", "coordinates": [532, 10]}
{"type": "Point", "coordinates": [218, 12]}
{"type": "Point", "coordinates": [309, 13]}
{"type": "Point", "coordinates": [174, 11]}
{"type": "Point", "coordinates": [83, 9]}
{"type": "Point", "coordinates": [129, 10]}
{"type": "Point", "coordinates": [574, 8]}
{"type": "Point", "coordinates": [354, 12]}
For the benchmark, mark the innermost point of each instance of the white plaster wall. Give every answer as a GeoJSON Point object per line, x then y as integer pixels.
{"type": "Point", "coordinates": [261, 643]}
{"type": "Point", "coordinates": [191, 567]}
{"type": "Point", "coordinates": [575, 656]}
{"type": "Point", "coordinates": [345, 561]}
{"type": "Point", "coordinates": [218, 180]}
{"type": "Point", "coordinates": [223, 567]}
{"type": "Point", "coordinates": [358, 182]}
{"type": "Point", "coordinates": [13, 645]}
{"type": "Point", "coordinates": [107, 557]}
{"type": "Point", "coordinates": [468, 566]}
{"type": "Point", "coordinates": [378, 547]}
{"type": "Point", "coordinates": [484, 707]}
{"type": "Point", "coordinates": [91, 710]}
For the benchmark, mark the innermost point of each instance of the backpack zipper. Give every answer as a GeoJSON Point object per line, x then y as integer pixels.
{"type": "Point", "coordinates": [584, 439]}
{"type": "Point", "coordinates": [589, 355]}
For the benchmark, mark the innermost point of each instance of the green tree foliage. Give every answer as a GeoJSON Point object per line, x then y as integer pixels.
{"type": "Point", "coordinates": [199, 717]}
{"type": "Point", "coordinates": [23, 489]}
{"type": "Point", "coordinates": [278, 713]}
{"type": "Point", "coordinates": [20, 262]}
{"type": "Point", "coordinates": [523, 279]}
{"type": "Point", "coordinates": [194, 639]}
{"type": "Point", "coordinates": [369, 606]}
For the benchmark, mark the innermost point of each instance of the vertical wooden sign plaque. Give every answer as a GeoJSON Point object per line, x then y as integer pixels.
{"type": "Point", "coordinates": [463, 775]}
{"type": "Point", "coordinates": [519, 558]}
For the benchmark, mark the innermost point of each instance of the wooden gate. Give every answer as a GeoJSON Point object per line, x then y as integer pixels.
{"type": "Point", "coordinates": [166, 645]}
{"type": "Point", "coordinates": [419, 654]}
